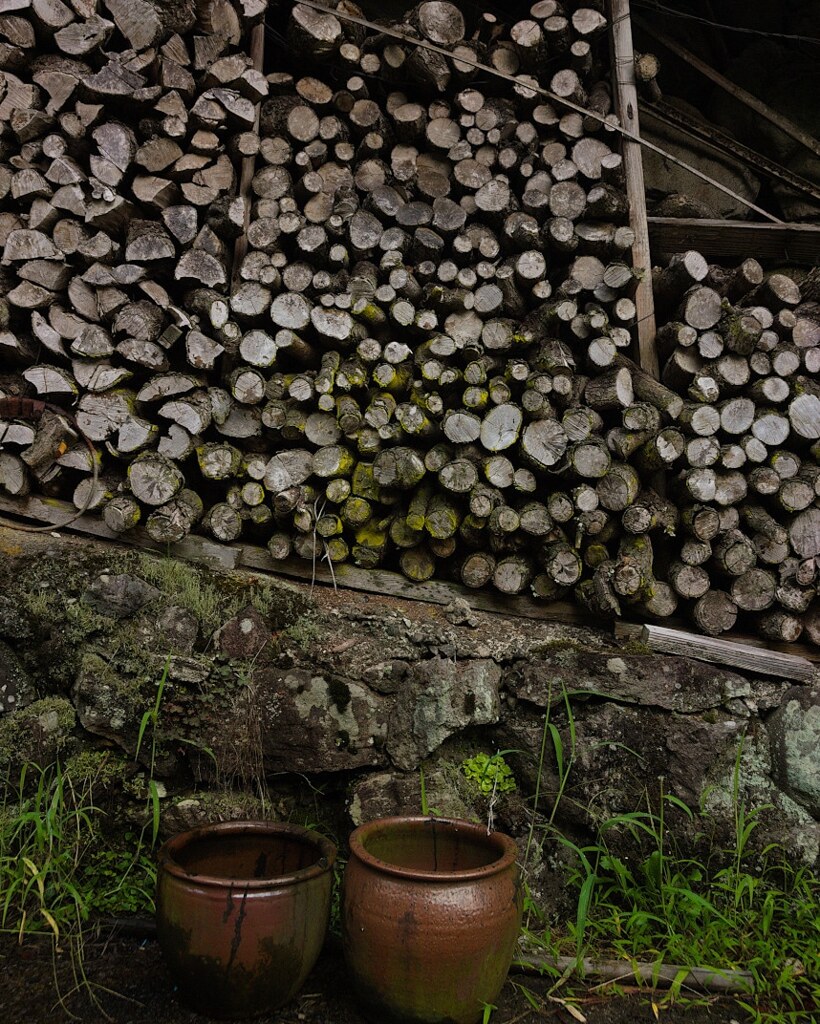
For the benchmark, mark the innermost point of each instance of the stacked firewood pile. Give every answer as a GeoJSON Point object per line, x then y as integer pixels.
{"type": "Point", "coordinates": [120, 122]}
{"type": "Point", "coordinates": [423, 360]}
{"type": "Point", "coordinates": [744, 352]}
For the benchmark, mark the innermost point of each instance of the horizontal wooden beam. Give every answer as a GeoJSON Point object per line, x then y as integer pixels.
{"type": "Point", "coordinates": [734, 241]}
{"type": "Point", "coordinates": [391, 584]}
{"type": "Point", "coordinates": [41, 510]}
{"type": "Point", "coordinates": [247, 556]}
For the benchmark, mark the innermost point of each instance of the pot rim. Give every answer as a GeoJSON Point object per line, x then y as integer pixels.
{"type": "Point", "coordinates": [171, 848]}
{"type": "Point", "coordinates": [504, 845]}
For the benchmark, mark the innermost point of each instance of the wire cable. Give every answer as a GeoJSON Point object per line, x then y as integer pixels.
{"type": "Point", "coordinates": [652, 5]}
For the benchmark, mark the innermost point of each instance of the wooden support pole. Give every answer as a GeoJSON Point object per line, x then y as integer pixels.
{"type": "Point", "coordinates": [626, 100]}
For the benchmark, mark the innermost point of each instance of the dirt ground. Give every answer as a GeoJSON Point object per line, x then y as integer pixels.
{"type": "Point", "coordinates": [132, 986]}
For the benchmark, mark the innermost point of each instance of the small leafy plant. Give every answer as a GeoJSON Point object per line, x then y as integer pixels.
{"type": "Point", "coordinates": [151, 719]}
{"type": "Point", "coordinates": [119, 880]}
{"type": "Point", "coordinates": [489, 773]}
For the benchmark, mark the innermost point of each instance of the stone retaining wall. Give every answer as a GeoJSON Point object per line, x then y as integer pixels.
{"type": "Point", "coordinates": [337, 702]}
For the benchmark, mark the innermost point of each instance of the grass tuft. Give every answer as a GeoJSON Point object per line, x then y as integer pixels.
{"type": "Point", "coordinates": [733, 910]}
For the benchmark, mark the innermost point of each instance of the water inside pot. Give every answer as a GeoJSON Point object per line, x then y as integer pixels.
{"type": "Point", "coordinates": [253, 855]}
{"type": "Point", "coordinates": [433, 847]}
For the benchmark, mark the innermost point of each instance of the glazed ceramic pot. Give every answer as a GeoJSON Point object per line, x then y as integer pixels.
{"type": "Point", "coordinates": [431, 914]}
{"type": "Point", "coordinates": [242, 912]}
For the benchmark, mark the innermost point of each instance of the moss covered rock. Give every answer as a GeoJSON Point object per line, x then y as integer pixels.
{"type": "Point", "coordinates": [795, 746]}
{"type": "Point", "coordinates": [110, 704]}
{"type": "Point", "coordinates": [201, 808]}
{"type": "Point", "coordinates": [16, 685]}
{"type": "Point", "coordinates": [36, 734]}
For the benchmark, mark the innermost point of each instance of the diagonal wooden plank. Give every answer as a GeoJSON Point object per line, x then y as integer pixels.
{"type": "Point", "coordinates": [746, 98]}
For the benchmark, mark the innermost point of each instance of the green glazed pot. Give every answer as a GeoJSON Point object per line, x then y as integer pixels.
{"type": "Point", "coordinates": [431, 914]}
{"type": "Point", "coordinates": [242, 912]}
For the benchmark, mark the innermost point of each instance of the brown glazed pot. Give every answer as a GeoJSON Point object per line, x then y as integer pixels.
{"type": "Point", "coordinates": [432, 911]}
{"type": "Point", "coordinates": [242, 911]}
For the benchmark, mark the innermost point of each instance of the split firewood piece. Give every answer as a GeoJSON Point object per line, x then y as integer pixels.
{"type": "Point", "coordinates": [776, 292]}
{"type": "Point", "coordinates": [314, 32]}
{"type": "Point", "coordinates": [134, 435]}
{"type": "Point", "coordinates": [779, 626]}
{"type": "Point", "coordinates": [192, 410]}
{"type": "Point", "coordinates": [804, 533]}
{"type": "Point", "coordinates": [477, 569]}
{"type": "Point", "coordinates": [684, 270]}
{"type": "Point", "coordinates": [287, 469]}
{"type": "Point", "coordinates": [84, 37]}
{"type": "Point", "coordinates": [51, 380]}
{"type": "Point", "coordinates": [734, 283]}
{"type": "Point", "coordinates": [633, 576]}
{"type": "Point", "coordinates": [562, 563]}
{"type": "Point", "coordinates": [649, 511]}
{"type": "Point", "coordinates": [754, 590]}
{"type": "Point", "coordinates": [619, 487]}
{"type": "Point", "coordinates": [225, 523]}
{"type": "Point", "coordinates": [512, 574]}
{"type": "Point", "coordinates": [219, 461]}
{"type": "Point", "coordinates": [612, 390]}
{"type": "Point", "coordinates": [101, 415]}
{"type": "Point", "coordinates": [543, 443]}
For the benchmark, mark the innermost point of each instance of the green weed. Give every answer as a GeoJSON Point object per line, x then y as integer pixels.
{"type": "Point", "coordinates": [77, 620]}
{"type": "Point", "coordinates": [732, 911]}
{"type": "Point", "coordinates": [59, 868]}
{"type": "Point", "coordinates": [42, 840]}
{"type": "Point", "coordinates": [187, 586]}
{"type": "Point", "coordinates": [58, 865]}
{"type": "Point", "coordinates": [213, 600]}
{"type": "Point", "coordinates": [488, 1012]}
{"type": "Point", "coordinates": [151, 718]}
{"type": "Point", "coordinates": [304, 632]}
{"type": "Point", "coordinates": [120, 880]}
